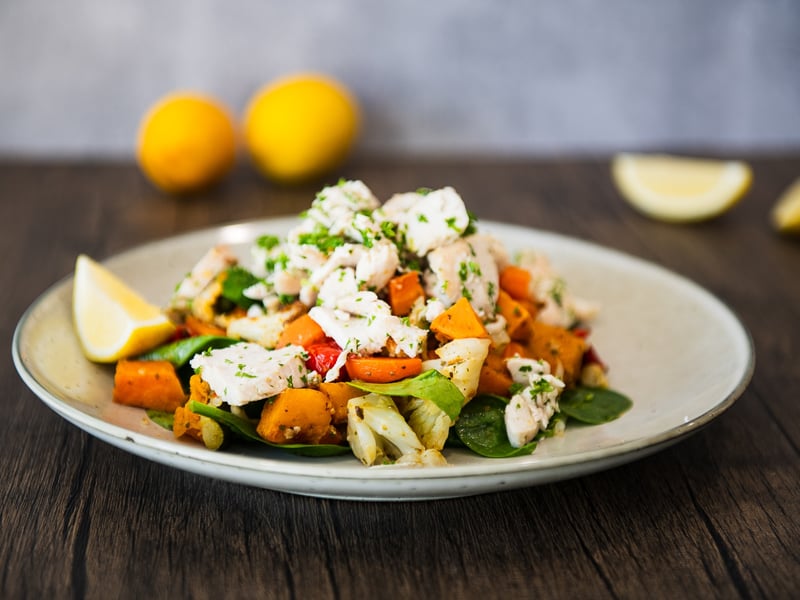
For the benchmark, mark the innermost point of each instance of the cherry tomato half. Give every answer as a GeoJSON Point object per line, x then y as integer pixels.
{"type": "Point", "coordinates": [322, 356]}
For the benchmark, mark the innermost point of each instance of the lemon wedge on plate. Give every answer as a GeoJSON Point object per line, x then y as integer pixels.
{"type": "Point", "coordinates": [786, 212]}
{"type": "Point", "coordinates": [111, 320]}
{"type": "Point", "coordinates": [680, 189]}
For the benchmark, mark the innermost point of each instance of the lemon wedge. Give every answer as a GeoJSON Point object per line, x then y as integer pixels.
{"type": "Point", "coordinates": [786, 212]}
{"type": "Point", "coordinates": [111, 320]}
{"type": "Point", "coordinates": [680, 189]}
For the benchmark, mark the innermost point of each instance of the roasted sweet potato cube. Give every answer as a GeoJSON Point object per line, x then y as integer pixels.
{"type": "Point", "coordinates": [516, 281]}
{"type": "Point", "coordinates": [517, 317]}
{"type": "Point", "coordinates": [494, 378]}
{"type": "Point", "coordinates": [303, 331]}
{"type": "Point", "coordinates": [152, 384]}
{"type": "Point", "coordinates": [338, 394]}
{"type": "Point", "coordinates": [297, 415]}
{"type": "Point", "coordinates": [404, 291]}
{"type": "Point", "coordinates": [198, 427]}
{"type": "Point", "coordinates": [459, 321]}
{"type": "Point", "coordinates": [561, 348]}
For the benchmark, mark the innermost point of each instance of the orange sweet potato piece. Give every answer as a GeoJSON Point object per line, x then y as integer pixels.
{"type": "Point", "coordinates": [382, 369]}
{"type": "Point", "coordinates": [152, 384]}
{"type": "Point", "coordinates": [303, 331]}
{"type": "Point", "coordinates": [516, 281]}
{"type": "Point", "coordinates": [494, 378]}
{"type": "Point", "coordinates": [186, 423]}
{"type": "Point", "coordinates": [298, 415]}
{"type": "Point", "coordinates": [516, 315]}
{"type": "Point", "coordinates": [459, 321]}
{"type": "Point", "coordinates": [403, 292]}
{"type": "Point", "coordinates": [561, 348]}
{"type": "Point", "coordinates": [199, 390]}
{"type": "Point", "coordinates": [199, 427]}
{"type": "Point", "coordinates": [191, 424]}
{"type": "Point", "coordinates": [530, 305]}
{"type": "Point", "coordinates": [338, 394]}
{"type": "Point", "coordinates": [513, 349]}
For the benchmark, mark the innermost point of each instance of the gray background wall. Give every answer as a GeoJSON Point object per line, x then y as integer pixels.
{"type": "Point", "coordinates": [432, 76]}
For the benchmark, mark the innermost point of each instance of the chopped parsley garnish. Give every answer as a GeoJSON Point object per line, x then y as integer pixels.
{"type": "Point", "coordinates": [422, 218]}
{"type": "Point", "coordinates": [242, 373]}
{"type": "Point", "coordinates": [413, 264]}
{"type": "Point", "coordinates": [281, 261]}
{"type": "Point", "coordinates": [516, 388]}
{"type": "Point", "coordinates": [388, 229]}
{"type": "Point", "coordinates": [463, 271]}
{"type": "Point", "coordinates": [268, 242]}
{"type": "Point", "coordinates": [557, 291]}
{"type": "Point", "coordinates": [540, 386]}
{"type": "Point", "coordinates": [472, 226]}
{"type": "Point", "coordinates": [321, 238]}
{"type": "Point", "coordinates": [366, 237]}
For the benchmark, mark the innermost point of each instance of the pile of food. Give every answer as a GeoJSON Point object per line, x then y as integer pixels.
{"type": "Point", "coordinates": [392, 331]}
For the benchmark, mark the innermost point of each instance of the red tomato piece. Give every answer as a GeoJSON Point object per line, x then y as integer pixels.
{"type": "Point", "coordinates": [322, 356]}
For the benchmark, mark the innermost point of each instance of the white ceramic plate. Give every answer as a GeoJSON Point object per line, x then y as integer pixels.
{"type": "Point", "coordinates": [677, 351]}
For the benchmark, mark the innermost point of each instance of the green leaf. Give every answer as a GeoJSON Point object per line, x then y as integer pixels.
{"type": "Point", "coordinates": [267, 241]}
{"type": "Point", "coordinates": [246, 430]}
{"type": "Point", "coordinates": [180, 352]}
{"type": "Point", "coordinates": [593, 405]}
{"type": "Point", "coordinates": [430, 385]}
{"type": "Point", "coordinates": [238, 279]}
{"type": "Point", "coordinates": [321, 238]}
{"type": "Point", "coordinates": [161, 418]}
{"type": "Point", "coordinates": [472, 227]}
{"type": "Point", "coordinates": [482, 428]}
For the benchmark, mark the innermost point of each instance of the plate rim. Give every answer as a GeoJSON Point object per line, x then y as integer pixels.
{"type": "Point", "coordinates": [169, 452]}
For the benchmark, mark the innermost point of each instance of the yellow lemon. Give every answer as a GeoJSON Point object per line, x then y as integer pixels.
{"type": "Point", "coordinates": [186, 142]}
{"type": "Point", "coordinates": [786, 212]}
{"type": "Point", "coordinates": [111, 320]}
{"type": "Point", "coordinates": [680, 189]}
{"type": "Point", "coordinates": [300, 127]}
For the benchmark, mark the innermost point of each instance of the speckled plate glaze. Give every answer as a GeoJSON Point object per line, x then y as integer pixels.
{"type": "Point", "coordinates": [680, 354]}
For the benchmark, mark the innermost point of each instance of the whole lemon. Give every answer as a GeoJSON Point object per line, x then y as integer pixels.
{"type": "Point", "coordinates": [300, 127]}
{"type": "Point", "coordinates": [186, 142]}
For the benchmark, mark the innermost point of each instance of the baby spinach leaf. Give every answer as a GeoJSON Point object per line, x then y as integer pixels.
{"type": "Point", "coordinates": [482, 428]}
{"type": "Point", "coordinates": [237, 280]}
{"type": "Point", "coordinates": [161, 418]}
{"type": "Point", "coordinates": [246, 430]}
{"type": "Point", "coordinates": [453, 441]}
{"type": "Point", "coordinates": [181, 351]}
{"type": "Point", "coordinates": [593, 405]}
{"type": "Point", "coordinates": [430, 385]}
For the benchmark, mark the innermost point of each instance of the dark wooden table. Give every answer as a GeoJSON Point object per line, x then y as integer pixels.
{"type": "Point", "coordinates": [717, 515]}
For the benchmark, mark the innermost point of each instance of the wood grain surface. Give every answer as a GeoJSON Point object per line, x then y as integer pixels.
{"type": "Point", "coordinates": [716, 516]}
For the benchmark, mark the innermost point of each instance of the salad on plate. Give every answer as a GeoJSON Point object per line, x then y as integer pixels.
{"type": "Point", "coordinates": [390, 331]}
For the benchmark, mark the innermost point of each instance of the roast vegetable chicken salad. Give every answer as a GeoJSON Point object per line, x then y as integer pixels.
{"type": "Point", "coordinates": [393, 331]}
